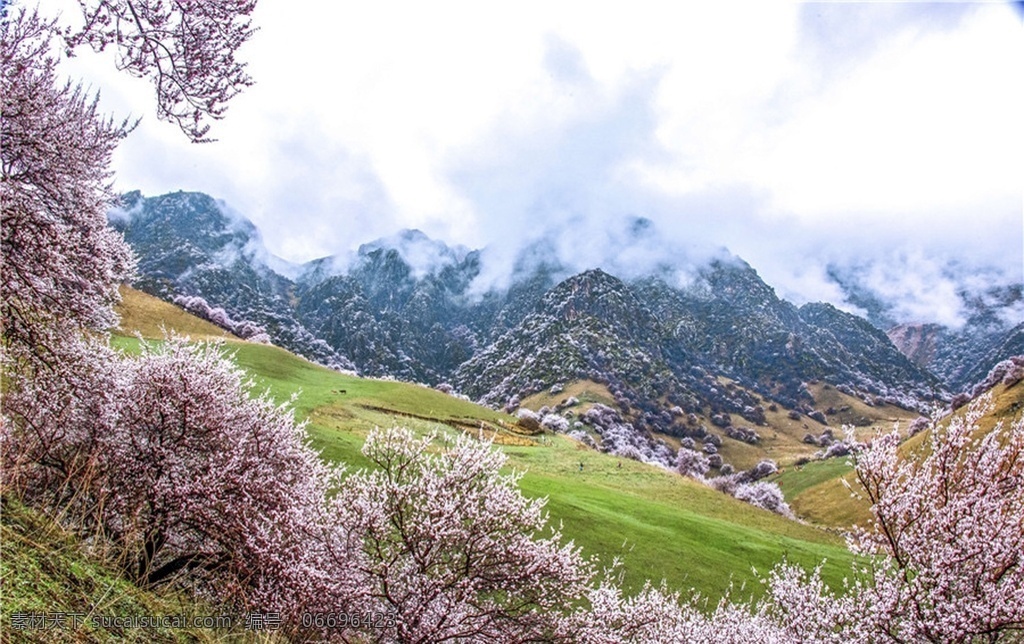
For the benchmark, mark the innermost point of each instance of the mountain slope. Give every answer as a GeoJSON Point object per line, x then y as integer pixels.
{"type": "Point", "coordinates": [391, 318]}
{"type": "Point", "coordinates": [188, 244]}
{"type": "Point", "coordinates": [661, 524]}
{"type": "Point", "coordinates": [990, 310]}
{"type": "Point", "coordinates": [729, 315]}
{"type": "Point", "coordinates": [963, 356]}
{"type": "Point", "coordinates": [411, 307]}
{"type": "Point", "coordinates": [590, 326]}
{"type": "Point", "coordinates": [721, 349]}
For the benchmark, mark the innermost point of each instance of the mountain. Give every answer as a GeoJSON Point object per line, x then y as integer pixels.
{"type": "Point", "coordinates": [389, 318]}
{"type": "Point", "coordinates": [729, 315]}
{"type": "Point", "coordinates": [658, 347]}
{"type": "Point", "coordinates": [965, 355]}
{"type": "Point", "coordinates": [189, 244]}
{"type": "Point", "coordinates": [590, 326]}
{"type": "Point", "coordinates": [991, 330]}
{"type": "Point", "coordinates": [410, 307]}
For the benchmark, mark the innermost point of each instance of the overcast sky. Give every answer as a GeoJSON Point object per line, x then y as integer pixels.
{"type": "Point", "coordinates": [796, 135]}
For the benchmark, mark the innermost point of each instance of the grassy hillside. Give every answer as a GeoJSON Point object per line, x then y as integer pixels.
{"type": "Point", "coordinates": [817, 493]}
{"type": "Point", "coordinates": [587, 392]}
{"type": "Point", "coordinates": [44, 572]}
{"type": "Point", "coordinates": [661, 525]}
{"type": "Point", "coordinates": [781, 437]}
{"type": "Point", "coordinates": [147, 315]}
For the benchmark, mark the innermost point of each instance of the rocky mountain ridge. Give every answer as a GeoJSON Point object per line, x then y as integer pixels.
{"type": "Point", "coordinates": [405, 307]}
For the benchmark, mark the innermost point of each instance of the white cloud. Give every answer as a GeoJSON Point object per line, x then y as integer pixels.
{"type": "Point", "coordinates": [931, 121]}
{"type": "Point", "coordinates": [796, 135]}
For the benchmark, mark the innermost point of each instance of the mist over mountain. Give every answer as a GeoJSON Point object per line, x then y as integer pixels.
{"type": "Point", "coordinates": [658, 330]}
{"type": "Point", "coordinates": [190, 244]}
{"type": "Point", "coordinates": [981, 318]}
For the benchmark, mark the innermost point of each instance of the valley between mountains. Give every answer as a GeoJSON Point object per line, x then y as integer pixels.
{"type": "Point", "coordinates": [734, 351]}
{"type": "Point", "coordinates": [582, 377]}
{"type": "Point", "coordinates": [600, 391]}
{"type": "Point", "coordinates": [707, 354]}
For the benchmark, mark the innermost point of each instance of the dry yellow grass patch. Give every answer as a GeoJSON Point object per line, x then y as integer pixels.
{"type": "Point", "coordinates": [142, 313]}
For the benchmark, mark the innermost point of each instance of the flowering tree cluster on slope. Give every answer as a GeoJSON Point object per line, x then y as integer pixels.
{"type": "Point", "coordinates": [61, 263]}
{"type": "Point", "coordinates": [746, 486]}
{"type": "Point", "coordinates": [946, 548]}
{"type": "Point", "coordinates": [173, 471]}
{"type": "Point", "coordinates": [245, 329]}
{"type": "Point", "coordinates": [949, 521]}
{"type": "Point", "coordinates": [450, 546]}
{"type": "Point", "coordinates": [164, 461]}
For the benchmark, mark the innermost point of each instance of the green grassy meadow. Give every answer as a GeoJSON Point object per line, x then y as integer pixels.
{"type": "Point", "coordinates": [44, 572]}
{"type": "Point", "coordinates": [658, 525]}
{"type": "Point", "coordinates": [816, 491]}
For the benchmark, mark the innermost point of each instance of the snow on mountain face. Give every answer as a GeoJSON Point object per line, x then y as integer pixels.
{"type": "Point", "coordinates": [410, 307]}
{"type": "Point", "coordinates": [189, 244]}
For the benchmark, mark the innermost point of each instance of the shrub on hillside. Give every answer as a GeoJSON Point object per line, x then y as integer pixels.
{"type": "Point", "coordinates": [959, 400]}
{"type": "Point", "coordinates": [555, 423]}
{"type": "Point", "coordinates": [578, 433]}
{"type": "Point", "coordinates": [726, 482]}
{"type": "Point", "coordinates": [743, 434]}
{"type": "Point", "coordinates": [445, 388]}
{"type": "Point", "coordinates": [754, 414]}
{"type": "Point", "coordinates": [918, 425]}
{"type": "Point", "coordinates": [54, 423]}
{"type": "Point", "coordinates": [1007, 372]}
{"type": "Point", "coordinates": [764, 495]}
{"type": "Point", "coordinates": [691, 463]}
{"type": "Point", "coordinates": [210, 482]}
{"type": "Point", "coordinates": [763, 469]}
{"type": "Point", "coordinates": [529, 419]}
{"type": "Point", "coordinates": [838, 449]}
{"type": "Point", "coordinates": [571, 401]}
{"type": "Point", "coordinates": [721, 420]}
